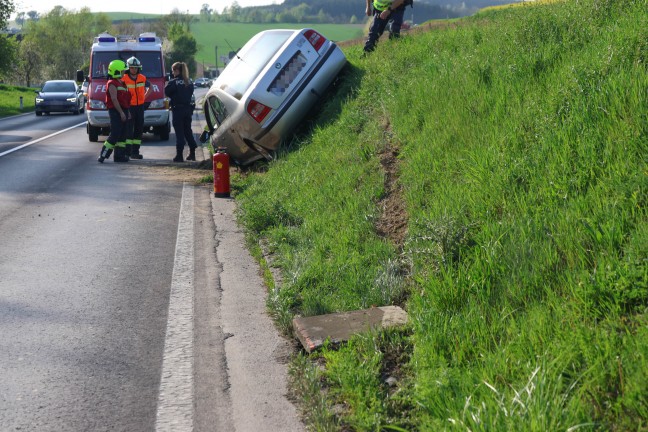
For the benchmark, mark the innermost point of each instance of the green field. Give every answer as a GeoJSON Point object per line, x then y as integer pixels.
{"type": "Point", "coordinates": [10, 100]}
{"type": "Point", "coordinates": [226, 37]}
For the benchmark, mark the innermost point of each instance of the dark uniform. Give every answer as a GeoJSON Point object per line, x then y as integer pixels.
{"type": "Point", "coordinates": [182, 108]}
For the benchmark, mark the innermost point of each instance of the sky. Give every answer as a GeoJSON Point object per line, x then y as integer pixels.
{"type": "Point", "coordinates": [142, 6]}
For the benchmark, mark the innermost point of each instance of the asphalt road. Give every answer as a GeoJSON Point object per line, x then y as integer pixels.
{"type": "Point", "coordinates": [127, 299]}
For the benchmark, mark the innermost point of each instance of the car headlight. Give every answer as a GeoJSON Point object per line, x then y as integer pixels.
{"type": "Point", "coordinates": [158, 103]}
{"type": "Point", "coordinates": [39, 100]}
{"type": "Point", "coordinates": [96, 104]}
{"type": "Point", "coordinates": [72, 99]}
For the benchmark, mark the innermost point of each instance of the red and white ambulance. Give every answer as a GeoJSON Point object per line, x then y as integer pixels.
{"type": "Point", "coordinates": [148, 49]}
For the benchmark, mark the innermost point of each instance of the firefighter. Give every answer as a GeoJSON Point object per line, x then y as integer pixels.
{"type": "Point", "coordinates": [139, 88]}
{"type": "Point", "coordinates": [386, 14]}
{"type": "Point", "coordinates": [180, 91]}
{"type": "Point", "coordinates": [117, 102]}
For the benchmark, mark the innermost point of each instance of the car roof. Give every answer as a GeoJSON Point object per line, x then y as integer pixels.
{"type": "Point", "coordinates": [61, 81]}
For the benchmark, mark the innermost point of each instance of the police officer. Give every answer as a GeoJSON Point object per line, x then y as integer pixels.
{"type": "Point", "coordinates": [384, 12]}
{"type": "Point", "coordinates": [139, 88]}
{"type": "Point", "coordinates": [117, 101]}
{"type": "Point", "coordinates": [180, 91]}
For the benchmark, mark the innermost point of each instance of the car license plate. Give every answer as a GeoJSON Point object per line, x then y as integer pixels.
{"type": "Point", "coordinates": [288, 74]}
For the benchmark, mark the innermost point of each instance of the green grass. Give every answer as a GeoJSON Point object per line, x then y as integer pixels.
{"type": "Point", "coordinates": [232, 36]}
{"type": "Point", "coordinates": [520, 143]}
{"type": "Point", "coordinates": [10, 100]}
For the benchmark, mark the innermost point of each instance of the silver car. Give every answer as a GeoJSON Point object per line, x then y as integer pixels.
{"type": "Point", "coordinates": [267, 89]}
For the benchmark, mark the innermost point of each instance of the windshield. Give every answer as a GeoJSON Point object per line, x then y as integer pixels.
{"type": "Point", "coordinates": [151, 62]}
{"type": "Point", "coordinates": [59, 87]}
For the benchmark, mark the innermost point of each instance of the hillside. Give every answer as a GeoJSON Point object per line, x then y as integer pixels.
{"type": "Point", "coordinates": [490, 177]}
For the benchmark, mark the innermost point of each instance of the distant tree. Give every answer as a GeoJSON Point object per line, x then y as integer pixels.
{"type": "Point", "coordinates": [20, 18]}
{"type": "Point", "coordinates": [7, 46]}
{"type": "Point", "coordinates": [234, 12]}
{"type": "Point", "coordinates": [30, 63]}
{"type": "Point", "coordinates": [353, 20]}
{"type": "Point", "coordinates": [33, 15]}
{"type": "Point", "coordinates": [63, 39]}
{"type": "Point", "coordinates": [184, 48]}
{"type": "Point", "coordinates": [205, 12]}
{"type": "Point", "coordinates": [125, 27]}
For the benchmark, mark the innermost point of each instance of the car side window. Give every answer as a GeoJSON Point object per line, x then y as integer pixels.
{"type": "Point", "coordinates": [216, 113]}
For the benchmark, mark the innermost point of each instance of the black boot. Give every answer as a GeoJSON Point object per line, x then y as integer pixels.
{"type": "Point", "coordinates": [105, 154]}
{"type": "Point", "coordinates": [129, 150]}
{"type": "Point", "coordinates": [178, 157]}
{"type": "Point", "coordinates": [120, 155]}
{"type": "Point", "coordinates": [135, 154]}
{"type": "Point", "coordinates": [192, 154]}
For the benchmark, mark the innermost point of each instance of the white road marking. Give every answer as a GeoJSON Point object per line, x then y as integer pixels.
{"type": "Point", "coordinates": [175, 400]}
{"type": "Point", "coordinates": [40, 139]}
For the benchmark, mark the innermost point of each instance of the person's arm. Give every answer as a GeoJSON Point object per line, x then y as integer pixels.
{"type": "Point", "coordinates": [369, 8]}
{"type": "Point", "coordinates": [112, 92]}
{"type": "Point", "coordinates": [395, 5]}
{"type": "Point", "coordinates": [149, 89]}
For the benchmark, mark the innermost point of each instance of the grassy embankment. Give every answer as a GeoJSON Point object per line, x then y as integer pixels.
{"type": "Point", "coordinates": [10, 100]}
{"type": "Point", "coordinates": [491, 177]}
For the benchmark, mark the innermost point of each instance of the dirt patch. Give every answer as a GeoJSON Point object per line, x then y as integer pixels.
{"type": "Point", "coordinates": [392, 222]}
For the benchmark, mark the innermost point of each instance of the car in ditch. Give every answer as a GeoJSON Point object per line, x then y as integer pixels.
{"type": "Point", "coordinates": [59, 96]}
{"type": "Point", "coordinates": [269, 86]}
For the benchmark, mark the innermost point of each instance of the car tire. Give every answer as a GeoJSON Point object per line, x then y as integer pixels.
{"type": "Point", "coordinates": [93, 133]}
{"type": "Point", "coordinates": [39, 113]}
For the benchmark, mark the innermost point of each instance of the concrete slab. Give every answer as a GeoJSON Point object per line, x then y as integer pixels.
{"type": "Point", "coordinates": [313, 331]}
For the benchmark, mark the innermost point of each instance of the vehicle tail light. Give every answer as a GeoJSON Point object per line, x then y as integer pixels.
{"type": "Point", "coordinates": [315, 39]}
{"type": "Point", "coordinates": [257, 110]}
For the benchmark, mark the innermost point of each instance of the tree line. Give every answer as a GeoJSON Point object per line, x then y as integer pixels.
{"type": "Point", "coordinates": [58, 43]}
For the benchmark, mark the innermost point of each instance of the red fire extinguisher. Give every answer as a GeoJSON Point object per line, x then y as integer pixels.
{"type": "Point", "coordinates": [221, 173]}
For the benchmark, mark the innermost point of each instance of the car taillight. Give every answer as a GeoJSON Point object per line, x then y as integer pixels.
{"type": "Point", "coordinates": [315, 39]}
{"type": "Point", "coordinates": [257, 110]}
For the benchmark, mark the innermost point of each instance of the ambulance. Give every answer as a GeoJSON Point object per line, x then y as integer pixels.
{"type": "Point", "coordinates": [147, 47]}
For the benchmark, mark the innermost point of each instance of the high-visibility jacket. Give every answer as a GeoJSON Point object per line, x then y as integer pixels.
{"type": "Point", "coordinates": [381, 5]}
{"type": "Point", "coordinates": [123, 98]}
{"type": "Point", "coordinates": [136, 87]}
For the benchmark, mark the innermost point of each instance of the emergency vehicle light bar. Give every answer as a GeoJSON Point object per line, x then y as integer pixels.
{"type": "Point", "coordinates": [147, 39]}
{"type": "Point", "coordinates": [106, 39]}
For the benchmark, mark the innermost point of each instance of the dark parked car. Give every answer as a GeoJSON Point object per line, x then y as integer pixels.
{"type": "Point", "coordinates": [202, 82]}
{"type": "Point", "coordinates": [59, 96]}
{"type": "Point", "coordinates": [267, 89]}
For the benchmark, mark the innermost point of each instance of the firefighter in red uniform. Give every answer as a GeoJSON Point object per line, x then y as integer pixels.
{"type": "Point", "coordinates": [139, 88]}
{"type": "Point", "coordinates": [117, 102]}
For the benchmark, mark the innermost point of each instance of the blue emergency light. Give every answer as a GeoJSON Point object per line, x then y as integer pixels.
{"type": "Point", "coordinates": [147, 39]}
{"type": "Point", "coordinates": [107, 39]}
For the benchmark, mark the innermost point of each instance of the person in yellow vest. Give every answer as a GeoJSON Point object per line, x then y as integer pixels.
{"type": "Point", "coordinates": [139, 88]}
{"type": "Point", "coordinates": [384, 12]}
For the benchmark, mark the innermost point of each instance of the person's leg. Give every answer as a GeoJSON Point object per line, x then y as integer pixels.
{"type": "Point", "coordinates": [111, 141]}
{"type": "Point", "coordinates": [396, 22]}
{"type": "Point", "coordinates": [375, 31]}
{"type": "Point", "coordinates": [138, 129]}
{"type": "Point", "coordinates": [178, 128]}
{"type": "Point", "coordinates": [189, 136]}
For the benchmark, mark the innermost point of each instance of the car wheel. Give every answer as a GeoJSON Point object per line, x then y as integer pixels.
{"type": "Point", "coordinates": [93, 133]}
{"type": "Point", "coordinates": [39, 113]}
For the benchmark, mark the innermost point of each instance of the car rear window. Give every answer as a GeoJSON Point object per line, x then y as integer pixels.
{"type": "Point", "coordinates": [59, 87]}
{"type": "Point", "coordinates": [250, 61]}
